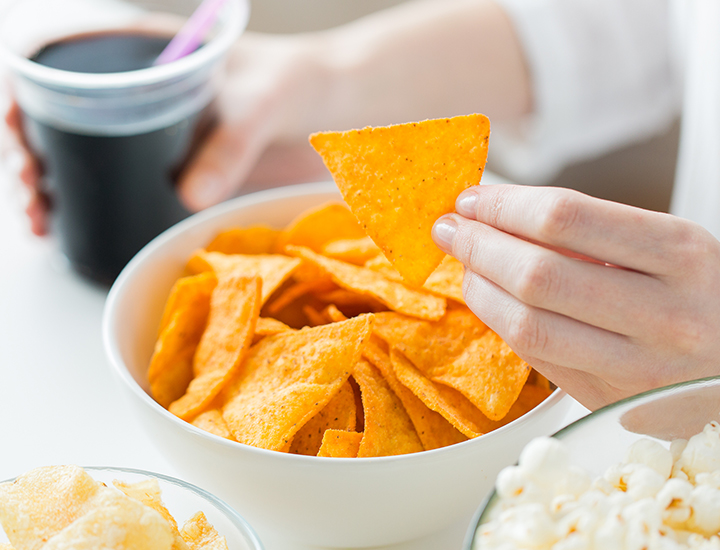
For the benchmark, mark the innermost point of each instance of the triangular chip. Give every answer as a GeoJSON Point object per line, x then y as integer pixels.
{"type": "Point", "coordinates": [461, 352]}
{"type": "Point", "coordinates": [184, 320]}
{"type": "Point", "coordinates": [318, 226]}
{"type": "Point", "coordinates": [338, 414]}
{"type": "Point", "coordinates": [398, 180]}
{"type": "Point", "coordinates": [388, 428]}
{"type": "Point", "coordinates": [432, 429]}
{"type": "Point", "coordinates": [234, 310]}
{"type": "Point", "coordinates": [287, 378]}
{"type": "Point", "coordinates": [273, 269]}
{"type": "Point", "coordinates": [340, 444]}
{"type": "Point", "coordinates": [446, 280]}
{"type": "Point", "coordinates": [258, 239]}
{"type": "Point", "coordinates": [353, 251]}
{"type": "Point", "coordinates": [213, 422]}
{"type": "Point", "coordinates": [364, 281]}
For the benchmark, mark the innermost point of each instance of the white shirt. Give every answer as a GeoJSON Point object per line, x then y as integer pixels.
{"type": "Point", "coordinates": [609, 72]}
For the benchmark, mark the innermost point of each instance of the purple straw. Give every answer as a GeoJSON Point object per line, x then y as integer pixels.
{"type": "Point", "coordinates": [192, 32]}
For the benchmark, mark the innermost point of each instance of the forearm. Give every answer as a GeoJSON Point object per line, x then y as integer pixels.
{"type": "Point", "coordinates": [419, 60]}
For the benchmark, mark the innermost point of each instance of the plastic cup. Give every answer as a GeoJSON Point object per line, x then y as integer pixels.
{"type": "Point", "coordinates": [112, 144]}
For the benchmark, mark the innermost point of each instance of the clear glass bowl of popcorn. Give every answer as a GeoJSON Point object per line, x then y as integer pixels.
{"type": "Point", "coordinates": [650, 428]}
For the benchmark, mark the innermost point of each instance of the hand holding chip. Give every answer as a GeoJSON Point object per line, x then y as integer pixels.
{"type": "Point", "coordinates": [606, 300]}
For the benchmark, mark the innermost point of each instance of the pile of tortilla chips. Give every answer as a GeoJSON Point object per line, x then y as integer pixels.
{"type": "Point", "coordinates": [62, 507]}
{"type": "Point", "coordinates": [346, 334]}
{"type": "Point", "coordinates": [306, 340]}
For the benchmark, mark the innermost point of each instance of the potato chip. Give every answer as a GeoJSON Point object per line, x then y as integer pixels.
{"type": "Point", "coordinates": [234, 310]}
{"type": "Point", "coordinates": [445, 281]}
{"type": "Point", "coordinates": [258, 239]}
{"type": "Point", "coordinates": [459, 351]}
{"type": "Point", "coordinates": [212, 422]}
{"type": "Point", "coordinates": [184, 320]}
{"type": "Point", "coordinates": [395, 295]}
{"type": "Point", "coordinates": [388, 428]}
{"type": "Point", "coordinates": [148, 493]}
{"type": "Point", "coordinates": [4, 546]}
{"type": "Point", "coordinates": [42, 502]}
{"type": "Point", "coordinates": [116, 522]}
{"type": "Point", "coordinates": [432, 429]}
{"type": "Point", "coordinates": [398, 180]}
{"type": "Point", "coordinates": [318, 226]}
{"type": "Point", "coordinates": [353, 251]}
{"type": "Point", "coordinates": [338, 414]}
{"type": "Point", "coordinates": [287, 378]}
{"type": "Point", "coordinates": [273, 269]}
{"type": "Point", "coordinates": [200, 535]}
{"type": "Point", "coordinates": [340, 444]}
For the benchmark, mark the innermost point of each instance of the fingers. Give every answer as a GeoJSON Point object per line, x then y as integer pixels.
{"type": "Point", "coordinates": [553, 338]}
{"type": "Point", "coordinates": [613, 299]}
{"type": "Point", "coordinates": [219, 168]}
{"type": "Point", "coordinates": [614, 233]}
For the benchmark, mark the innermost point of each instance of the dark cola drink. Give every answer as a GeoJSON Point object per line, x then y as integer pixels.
{"type": "Point", "coordinates": [111, 178]}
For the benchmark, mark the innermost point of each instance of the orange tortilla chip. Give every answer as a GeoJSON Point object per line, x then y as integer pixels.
{"type": "Point", "coordinates": [315, 318]}
{"type": "Point", "coordinates": [317, 227]}
{"type": "Point", "coordinates": [258, 239]}
{"type": "Point", "coordinates": [461, 352]}
{"type": "Point", "coordinates": [288, 378]}
{"type": "Point", "coordinates": [340, 444]}
{"type": "Point", "coordinates": [445, 281]}
{"type": "Point", "coordinates": [450, 403]}
{"type": "Point", "coordinates": [297, 290]}
{"type": "Point", "coordinates": [398, 180]}
{"type": "Point", "coordinates": [394, 295]}
{"type": "Point", "coordinates": [183, 323]}
{"type": "Point", "coordinates": [353, 251]}
{"type": "Point", "coordinates": [338, 414]}
{"type": "Point", "coordinates": [212, 422]}
{"type": "Point", "coordinates": [432, 429]}
{"type": "Point", "coordinates": [388, 428]}
{"type": "Point", "coordinates": [273, 269]}
{"type": "Point", "coordinates": [234, 310]}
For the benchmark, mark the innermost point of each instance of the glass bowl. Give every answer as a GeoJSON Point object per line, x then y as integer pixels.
{"type": "Point", "coordinates": [601, 439]}
{"type": "Point", "coordinates": [183, 500]}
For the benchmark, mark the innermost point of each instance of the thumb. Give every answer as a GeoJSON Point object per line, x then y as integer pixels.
{"type": "Point", "coordinates": [220, 167]}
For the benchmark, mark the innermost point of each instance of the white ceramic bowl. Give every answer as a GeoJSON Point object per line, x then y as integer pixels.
{"type": "Point", "coordinates": [308, 500]}
{"type": "Point", "coordinates": [602, 438]}
{"type": "Point", "coordinates": [183, 500]}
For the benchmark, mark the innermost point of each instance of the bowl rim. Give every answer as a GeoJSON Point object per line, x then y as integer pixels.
{"type": "Point", "coordinates": [491, 497]}
{"type": "Point", "coordinates": [112, 351]}
{"type": "Point", "coordinates": [240, 522]}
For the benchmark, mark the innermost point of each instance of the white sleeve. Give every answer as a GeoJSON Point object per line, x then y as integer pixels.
{"type": "Point", "coordinates": [604, 73]}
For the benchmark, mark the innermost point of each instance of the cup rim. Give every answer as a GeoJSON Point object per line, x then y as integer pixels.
{"type": "Point", "coordinates": [113, 354]}
{"type": "Point", "coordinates": [237, 15]}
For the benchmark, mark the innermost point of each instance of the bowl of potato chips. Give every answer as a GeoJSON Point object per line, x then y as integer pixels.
{"type": "Point", "coordinates": [104, 507]}
{"type": "Point", "coordinates": [278, 360]}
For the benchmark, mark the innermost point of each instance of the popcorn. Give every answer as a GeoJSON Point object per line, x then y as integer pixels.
{"type": "Point", "coordinates": [659, 498]}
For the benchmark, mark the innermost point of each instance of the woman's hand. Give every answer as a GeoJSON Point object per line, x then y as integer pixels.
{"type": "Point", "coordinates": [27, 168]}
{"type": "Point", "coordinates": [604, 299]}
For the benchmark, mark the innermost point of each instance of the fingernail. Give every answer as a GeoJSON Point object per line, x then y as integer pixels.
{"type": "Point", "coordinates": [443, 233]}
{"type": "Point", "coordinates": [466, 204]}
